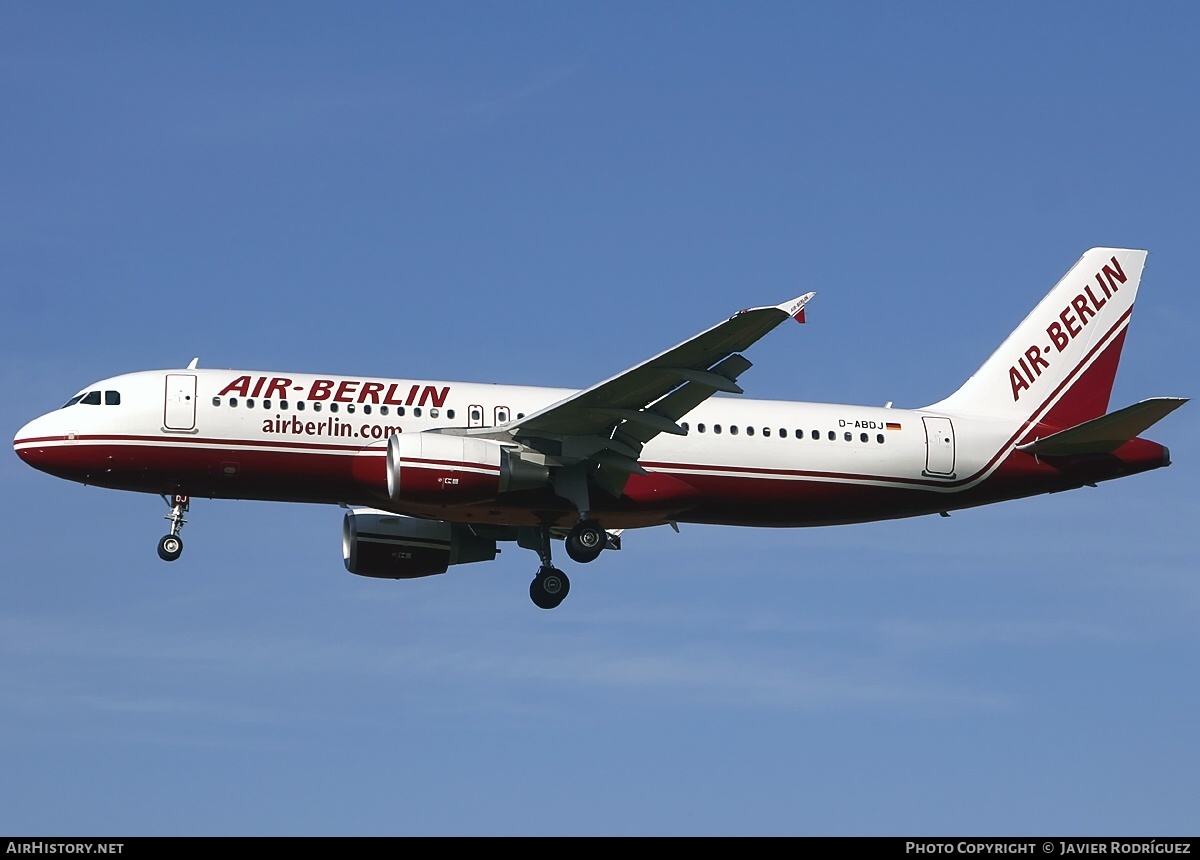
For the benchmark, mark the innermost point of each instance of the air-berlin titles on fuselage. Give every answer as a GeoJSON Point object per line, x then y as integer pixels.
{"type": "Point", "coordinates": [1070, 323]}
{"type": "Point", "coordinates": [346, 391]}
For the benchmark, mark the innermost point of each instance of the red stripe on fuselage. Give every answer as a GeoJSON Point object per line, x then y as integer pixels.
{"type": "Point", "coordinates": [733, 496]}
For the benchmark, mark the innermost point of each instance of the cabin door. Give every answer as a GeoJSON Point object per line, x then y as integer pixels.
{"type": "Point", "coordinates": [939, 447]}
{"type": "Point", "coordinates": [179, 410]}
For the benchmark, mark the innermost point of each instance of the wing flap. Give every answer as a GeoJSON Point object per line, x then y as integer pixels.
{"type": "Point", "coordinates": [687, 397]}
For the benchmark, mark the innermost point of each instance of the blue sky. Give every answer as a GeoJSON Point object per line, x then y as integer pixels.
{"type": "Point", "coordinates": [546, 194]}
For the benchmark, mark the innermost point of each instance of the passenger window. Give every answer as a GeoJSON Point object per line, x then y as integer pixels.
{"type": "Point", "coordinates": [716, 428]}
{"type": "Point", "coordinates": [112, 398]}
{"type": "Point", "coordinates": [832, 436]}
{"type": "Point", "coordinates": [400, 411]}
{"type": "Point", "coordinates": [749, 431]}
{"type": "Point", "coordinates": [733, 430]}
{"type": "Point", "coordinates": [266, 404]}
{"type": "Point", "coordinates": [879, 438]}
{"type": "Point", "coordinates": [684, 427]}
{"type": "Point", "coordinates": [349, 407]}
{"type": "Point", "coordinates": [816, 434]}
{"type": "Point", "coordinates": [700, 427]}
{"type": "Point", "coordinates": [316, 407]}
{"type": "Point", "coordinates": [366, 409]}
{"type": "Point", "coordinates": [848, 436]}
{"type": "Point", "coordinates": [249, 402]}
{"type": "Point", "coordinates": [416, 412]}
{"type": "Point", "coordinates": [216, 401]}
{"type": "Point", "coordinates": [233, 402]}
{"type": "Point", "coordinates": [333, 407]}
{"type": "Point", "coordinates": [476, 415]}
{"type": "Point", "coordinates": [300, 406]}
{"type": "Point", "coordinates": [383, 410]}
{"type": "Point", "coordinates": [283, 405]}
{"type": "Point", "coordinates": [92, 398]}
{"type": "Point", "coordinates": [766, 431]}
{"type": "Point", "coordinates": [433, 413]}
{"type": "Point", "coordinates": [863, 437]}
{"type": "Point", "coordinates": [450, 414]}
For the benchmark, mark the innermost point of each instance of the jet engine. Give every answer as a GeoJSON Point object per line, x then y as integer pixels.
{"type": "Point", "coordinates": [388, 546]}
{"type": "Point", "coordinates": [441, 469]}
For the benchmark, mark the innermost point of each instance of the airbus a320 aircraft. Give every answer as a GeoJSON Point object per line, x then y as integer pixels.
{"type": "Point", "coordinates": [437, 473]}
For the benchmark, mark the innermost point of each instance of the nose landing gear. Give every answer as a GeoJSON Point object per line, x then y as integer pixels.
{"type": "Point", "coordinates": [170, 547]}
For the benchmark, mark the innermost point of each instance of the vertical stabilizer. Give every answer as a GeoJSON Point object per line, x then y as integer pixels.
{"type": "Point", "coordinates": [1057, 367]}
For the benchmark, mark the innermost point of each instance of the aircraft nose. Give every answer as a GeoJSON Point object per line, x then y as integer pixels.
{"type": "Point", "coordinates": [30, 443]}
{"type": "Point", "coordinates": [20, 440]}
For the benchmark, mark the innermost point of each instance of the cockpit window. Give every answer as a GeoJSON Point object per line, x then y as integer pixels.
{"type": "Point", "coordinates": [93, 398]}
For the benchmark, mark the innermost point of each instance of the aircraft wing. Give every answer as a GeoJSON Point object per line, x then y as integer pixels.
{"type": "Point", "coordinates": [610, 421]}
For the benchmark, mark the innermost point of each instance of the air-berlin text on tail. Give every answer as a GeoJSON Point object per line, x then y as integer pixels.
{"type": "Point", "coordinates": [338, 391]}
{"type": "Point", "coordinates": [1070, 324]}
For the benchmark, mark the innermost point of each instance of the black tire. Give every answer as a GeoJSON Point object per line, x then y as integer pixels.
{"type": "Point", "coordinates": [549, 588]}
{"type": "Point", "coordinates": [170, 547]}
{"type": "Point", "coordinates": [586, 541]}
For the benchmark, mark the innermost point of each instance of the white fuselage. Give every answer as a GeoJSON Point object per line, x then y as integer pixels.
{"type": "Point", "coordinates": [304, 437]}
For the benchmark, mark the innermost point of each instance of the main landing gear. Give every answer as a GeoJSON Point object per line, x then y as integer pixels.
{"type": "Point", "coordinates": [170, 547]}
{"type": "Point", "coordinates": [586, 540]}
{"type": "Point", "coordinates": [550, 586]}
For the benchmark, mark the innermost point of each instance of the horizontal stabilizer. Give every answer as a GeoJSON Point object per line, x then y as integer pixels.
{"type": "Point", "coordinates": [1105, 434]}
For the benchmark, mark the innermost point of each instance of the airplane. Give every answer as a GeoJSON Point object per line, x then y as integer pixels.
{"type": "Point", "coordinates": [435, 474]}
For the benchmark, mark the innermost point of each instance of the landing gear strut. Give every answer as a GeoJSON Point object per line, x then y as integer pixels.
{"type": "Point", "coordinates": [170, 547]}
{"type": "Point", "coordinates": [550, 586]}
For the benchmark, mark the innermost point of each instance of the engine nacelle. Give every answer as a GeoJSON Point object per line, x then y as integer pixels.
{"type": "Point", "coordinates": [388, 546]}
{"type": "Point", "coordinates": [442, 469]}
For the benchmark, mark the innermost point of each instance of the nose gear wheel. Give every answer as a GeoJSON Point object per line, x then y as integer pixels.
{"type": "Point", "coordinates": [170, 546]}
